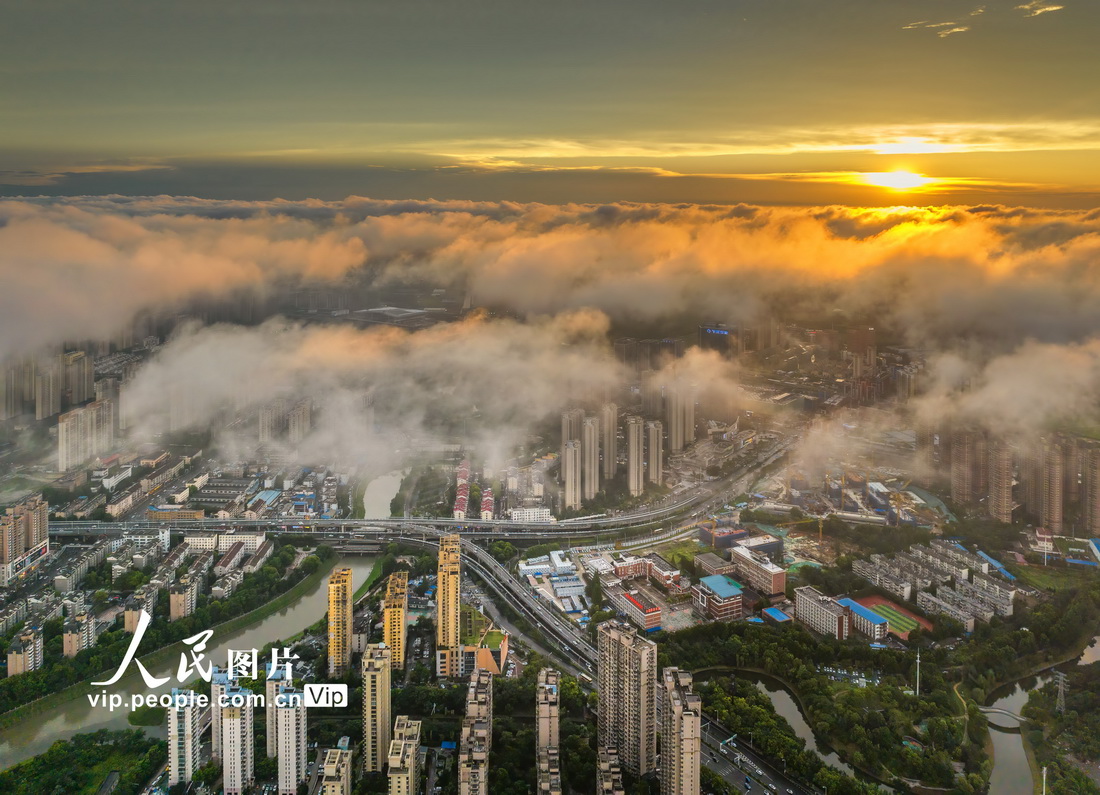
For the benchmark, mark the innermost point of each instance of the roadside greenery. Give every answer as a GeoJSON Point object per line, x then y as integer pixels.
{"type": "Point", "coordinates": [78, 766]}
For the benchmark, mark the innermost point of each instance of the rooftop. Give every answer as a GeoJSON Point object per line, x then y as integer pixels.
{"type": "Point", "coordinates": [722, 585]}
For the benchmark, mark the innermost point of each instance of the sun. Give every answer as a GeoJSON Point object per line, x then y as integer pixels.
{"type": "Point", "coordinates": [896, 180]}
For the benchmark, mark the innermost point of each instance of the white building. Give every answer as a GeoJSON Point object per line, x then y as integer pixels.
{"type": "Point", "coordinates": [290, 739]}
{"type": "Point", "coordinates": [183, 736]}
{"type": "Point", "coordinates": [238, 761]}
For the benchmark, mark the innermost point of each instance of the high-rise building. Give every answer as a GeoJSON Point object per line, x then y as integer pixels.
{"type": "Point", "coordinates": [25, 651]}
{"type": "Point", "coordinates": [77, 377]}
{"type": "Point", "coordinates": [376, 707]}
{"type": "Point", "coordinates": [1051, 484]}
{"type": "Point", "coordinates": [609, 425]}
{"type": "Point", "coordinates": [238, 761]}
{"type": "Point", "coordinates": [85, 432]}
{"type": "Point", "coordinates": [655, 451]}
{"type": "Point", "coordinates": [547, 696]}
{"type": "Point", "coordinates": [290, 739]}
{"type": "Point", "coordinates": [626, 684]}
{"type": "Point", "coordinates": [969, 467]}
{"type": "Point", "coordinates": [273, 421]}
{"type": "Point", "coordinates": [299, 421]}
{"type": "Point", "coordinates": [476, 738]}
{"type": "Point", "coordinates": [572, 423]}
{"type": "Point", "coordinates": [652, 399]}
{"type": "Point", "coordinates": [340, 608]}
{"type": "Point", "coordinates": [219, 683]}
{"type": "Point", "coordinates": [403, 759]}
{"type": "Point", "coordinates": [24, 538]}
{"type": "Point", "coordinates": [571, 474]}
{"type": "Point", "coordinates": [336, 772]}
{"type": "Point", "coordinates": [590, 457]}
{"type": "Point", "coordinates": [719, 337]}
{"type": "Point", "coordinates": [79, 634]}
{"type": "Point", "coordinates": [681, 713]}
{"type": "Point", "coordinates": [448, 592]}
{"type": "Point", "coordinates": [183, 736]}
{"type": "Point", "coordinates": [47, 391]}
{"type": "Point", "coordinates": [609, 773]}
{"type": "Point", "coordinates": [1090, 488]}
{"type": "Point", "coordinates": [680, 416]}
{"type": "Point", "coordinates": [1000, 503]}
{"type": "Point", "coordinates": [548, 771]}
{"type": "Point", "coordinates": [276, 679]}
{"type": "Point", "coordinates": [395, 611]}
{"type": "Point", "coordinates": [635, 471]}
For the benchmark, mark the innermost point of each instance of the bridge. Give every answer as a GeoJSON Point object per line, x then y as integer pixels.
{"type": "Point", "coordinates": [1000, 711]}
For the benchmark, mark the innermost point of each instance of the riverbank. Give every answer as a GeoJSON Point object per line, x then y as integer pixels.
{"type": "Point", "coordinates": [822, 747]}
{"type": "Point", "coordinates": [153, 658]}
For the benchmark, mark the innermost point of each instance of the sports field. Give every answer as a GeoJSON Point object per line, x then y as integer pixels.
{"type": "Point", "coordinates": [901, 621]}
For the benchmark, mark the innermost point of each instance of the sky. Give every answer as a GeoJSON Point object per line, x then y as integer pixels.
{"type": "Point", "coordinates": [797, 102]}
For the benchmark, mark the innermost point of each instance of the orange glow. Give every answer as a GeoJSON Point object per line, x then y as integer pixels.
{"type": "Point", "coordinates": [896, 180]}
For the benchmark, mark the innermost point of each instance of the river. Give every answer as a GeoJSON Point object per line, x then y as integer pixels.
{"type": "Point", "coordinates": [379, 493]}
{"type": "Point", "coordinates": [1011, 772]}
{"type": "Point", "coordinates": [36, 733]}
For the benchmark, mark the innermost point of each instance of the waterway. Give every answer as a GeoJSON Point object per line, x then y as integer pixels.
{"type": "Point", "coordinates": [380, 493]}
{"type": "Point", "coordinates": [36, 733]}
{"type": "Point", "coordinates": [1011, 772]}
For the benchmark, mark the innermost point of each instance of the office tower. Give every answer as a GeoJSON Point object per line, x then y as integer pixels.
{"type": "Point", "coordinates": [238, 750]}
{"type": "Point", "coordinates": [655, 451]}
{"type": "Point", "coordinates": [183, 736]}
{"type": "Point", "coordinates": [626, 683]}
{"type": "Point", "coordinates": [376, 707]}
{"type": "Point", "coordinates": [299, 421]}
{"type": "Point", "coordinates": [340, 609]}
{"type": "Point", "coordinates": [476, 738]}
{"type": "Point", "coordinates": [76, 377]}
{"type": "Point", "coordinates": [24, 538]}
{"type": "Point", "coordinates": [1050, 486]}
{"type": "Point", "coordinates": [448, 591]}
{"type": "Point", "coordinates": [395, 607]}
{"type": "Point", "coordinates": [634, 460]}
{"type": "Point", "coordinates": [47, 391]}
{"type": "Point", "coordinates": [571, 475]}
{"type": "Point", "coordinates": [681, 712]}
{"type": "Point", "coordinates": [336, 772]}
{"type": "Point", "coordinates": [680, 416]}
{"type": "Point", "coordinates": [290, 739]}
{"type": "Point", "coordinates": [546, 707]}
{"type": "Point", "coordinates": [572, 423]}
{"type": "Point", "coordinates": [590, 457]}
{"type": "Point", "coordinates": [219, 683]}
{"type": "Point", "coordinates": [403, 758]}
{"type": "Point", "coordinates": [609, 424]}
{"type": "Point", "coordinates": [85, 432]}
{"type": "Point", "coordinates": [609, 773]}
{"type": "Point", "coordinates": [276, 680]}
{"type": "Point", "coordinates": [1000, 502]}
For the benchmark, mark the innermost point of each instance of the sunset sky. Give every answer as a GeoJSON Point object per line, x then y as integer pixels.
{"type": "Point", "coordinates": [766, 101]}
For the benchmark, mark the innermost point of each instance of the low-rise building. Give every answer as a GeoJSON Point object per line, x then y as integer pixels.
{"type": "Point", "coordinates": [718, 598]}
{"type": "Point", "coordinates": [758, 572]}
{"type": "Point", "coordinates": [637, 608]}
{"type": "Point", "coordinates": [866, 621]}
{"type": "Point", "coordinates": [709, 564]}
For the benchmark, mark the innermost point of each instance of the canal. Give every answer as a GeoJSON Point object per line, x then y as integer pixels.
{"type": "Point", "coordinates": [1011, 772]}
{"type": "Point", "coordinates": [379, 493]}
{"type": "Point", "coordinates": [37, 732]}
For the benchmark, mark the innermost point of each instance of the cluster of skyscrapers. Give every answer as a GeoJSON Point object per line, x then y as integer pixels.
{"type": "Point", "coordinates": [1051, 479]}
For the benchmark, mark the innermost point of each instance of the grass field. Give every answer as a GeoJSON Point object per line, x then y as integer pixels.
{"type": "Point", "coordinates": [1055, 578]}
{"type": "Point", "coordinates": [901, 621]}
{"type": "Point", "coordinates": [680, 554]}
